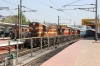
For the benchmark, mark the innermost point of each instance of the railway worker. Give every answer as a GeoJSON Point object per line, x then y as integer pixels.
{"type": "Point", "coordinates": [10, 34]}
{"type": "Point", "coordinates": [26, 34]}
{"type": "Point", "coordinates": [3, 34]}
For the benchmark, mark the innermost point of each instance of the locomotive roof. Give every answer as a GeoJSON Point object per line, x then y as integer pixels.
{"type": "Point", "coordinates": [40, 23]}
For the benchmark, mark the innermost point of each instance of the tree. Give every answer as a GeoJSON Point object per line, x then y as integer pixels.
{"type": "Point", "coordinates": [14, 19]}
{"type": "Point", "coordinates": [24, 21]}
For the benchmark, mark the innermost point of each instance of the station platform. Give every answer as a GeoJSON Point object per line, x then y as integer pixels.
{"type": "Point", "coordinates": [4, 38]}
{"type": "Point", "coordinates": [85, 52]}
{"type": "Point", "coordinates": [4, 45]}
{"type": "Point", "coordinates": [5, 42]}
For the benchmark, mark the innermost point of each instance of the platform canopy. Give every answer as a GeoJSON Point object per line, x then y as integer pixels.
{"type": "Point", "coordinates": [90, 22]}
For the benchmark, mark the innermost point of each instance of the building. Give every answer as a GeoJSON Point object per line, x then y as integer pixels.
{"type": "Point", "coordinates": [91, 23]}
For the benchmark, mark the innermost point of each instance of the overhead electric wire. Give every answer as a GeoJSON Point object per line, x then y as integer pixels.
{"type": "Point", "coordinates": [71, 3]}
{"type": "Point", "coordinates": [86, 8]}
{"type": "Point", "coordinates": [11, 12]}
{"type": "Point", "coordinates": [63, 17]}
{"type": "Point", "coordinates": [28, 8]}
{"type": "Point", "coordinates": [54, 8]}
{"type": "Point", "coordinates": [10, 3]}
{"type": "Point", "coordinates": [39, 13]}
{"type": "Point", "coordinates": [59, 8]}
{"type": "Point", "coordinates": [44, 3]}
{"type": "Point", "coordinates": [56, 5]}
{"type": "Point", "coordinates": [81, 5]}
{"type": "Point", "coordinates": [47, 5]}
{"type": "Point", "coordinates": [62, 10]}
{"type": "Point", "coordinates": [36, 12]}
{"type": "Point", "coordinates": [45, 16]}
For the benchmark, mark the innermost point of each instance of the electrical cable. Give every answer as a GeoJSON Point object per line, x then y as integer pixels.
{"type": "Point", "coordinates": [81, 5]}
{"type": "Point", "coordinates": [11, 12]}
{"type": "Point", "coordinates": [62, 10]}
{"type": "Point", "coordinates": [44, 3]}
{"type": "Point", "coordinates": [56, 5]}
{"type": "Point", "coordinates": [27, 8]}
{"type": "Point", "coordinates": [10, 3]}
{"type": "Point", "coordinates": [32, 9]}
{"type": "Point", "coordinates": [39, 13]}
{"type": "Point", "coordinates": [71, 3]}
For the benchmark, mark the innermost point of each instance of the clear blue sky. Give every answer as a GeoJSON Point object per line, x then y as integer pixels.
{"type": "Point", "coordinates": [49, 14]}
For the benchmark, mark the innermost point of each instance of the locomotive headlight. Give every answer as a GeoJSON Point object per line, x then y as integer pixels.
{"type": "Point", "coordinates": [33, 23]}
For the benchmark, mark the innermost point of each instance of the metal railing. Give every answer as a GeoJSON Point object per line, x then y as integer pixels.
{"type": "Point", "coordinates": [51, 40]}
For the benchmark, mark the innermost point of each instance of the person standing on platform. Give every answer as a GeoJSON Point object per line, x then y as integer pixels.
{"type": "Point", "coordinates": [10, 34]}
{"type": "Point", "coordinates": [26, 35]}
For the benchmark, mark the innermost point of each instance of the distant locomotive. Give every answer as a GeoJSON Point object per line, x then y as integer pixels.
{"type": "Point", "coordinates": [37, 29]}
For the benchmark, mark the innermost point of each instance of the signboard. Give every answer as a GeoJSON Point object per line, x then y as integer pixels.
{"type": "Point", "coordinates": [88, 22]}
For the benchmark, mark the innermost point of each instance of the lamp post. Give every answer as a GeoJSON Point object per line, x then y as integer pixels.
{"type": "Point", "coordinates": [96, 37]}
{"type": "Point", "coordinates": [21, 18]}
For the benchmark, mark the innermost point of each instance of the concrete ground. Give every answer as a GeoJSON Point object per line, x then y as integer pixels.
{"type": "Point", "coordinates": [85, 52]}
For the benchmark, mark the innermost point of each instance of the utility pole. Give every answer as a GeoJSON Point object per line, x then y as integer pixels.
{"type": "Point", "coordinates": [19, 20]}
{"type": "Point", "coordinates": [58, 20]}
{"type": "Point", "coordinates": [21, 17]}
{"type": "Point", "coordinates": [17, 33]}
{"type": "Point", "coordinates": [96, 37]}
{"type": "Point", "coordinates": [44, 21]}
{"type": "Point", "coordinates": [98, 26]}
{"type": "Point", "coordinates": [98, 19]}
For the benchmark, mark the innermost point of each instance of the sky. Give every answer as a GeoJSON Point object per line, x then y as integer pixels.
{"type": "Point", "coordinates": [50, 15]}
